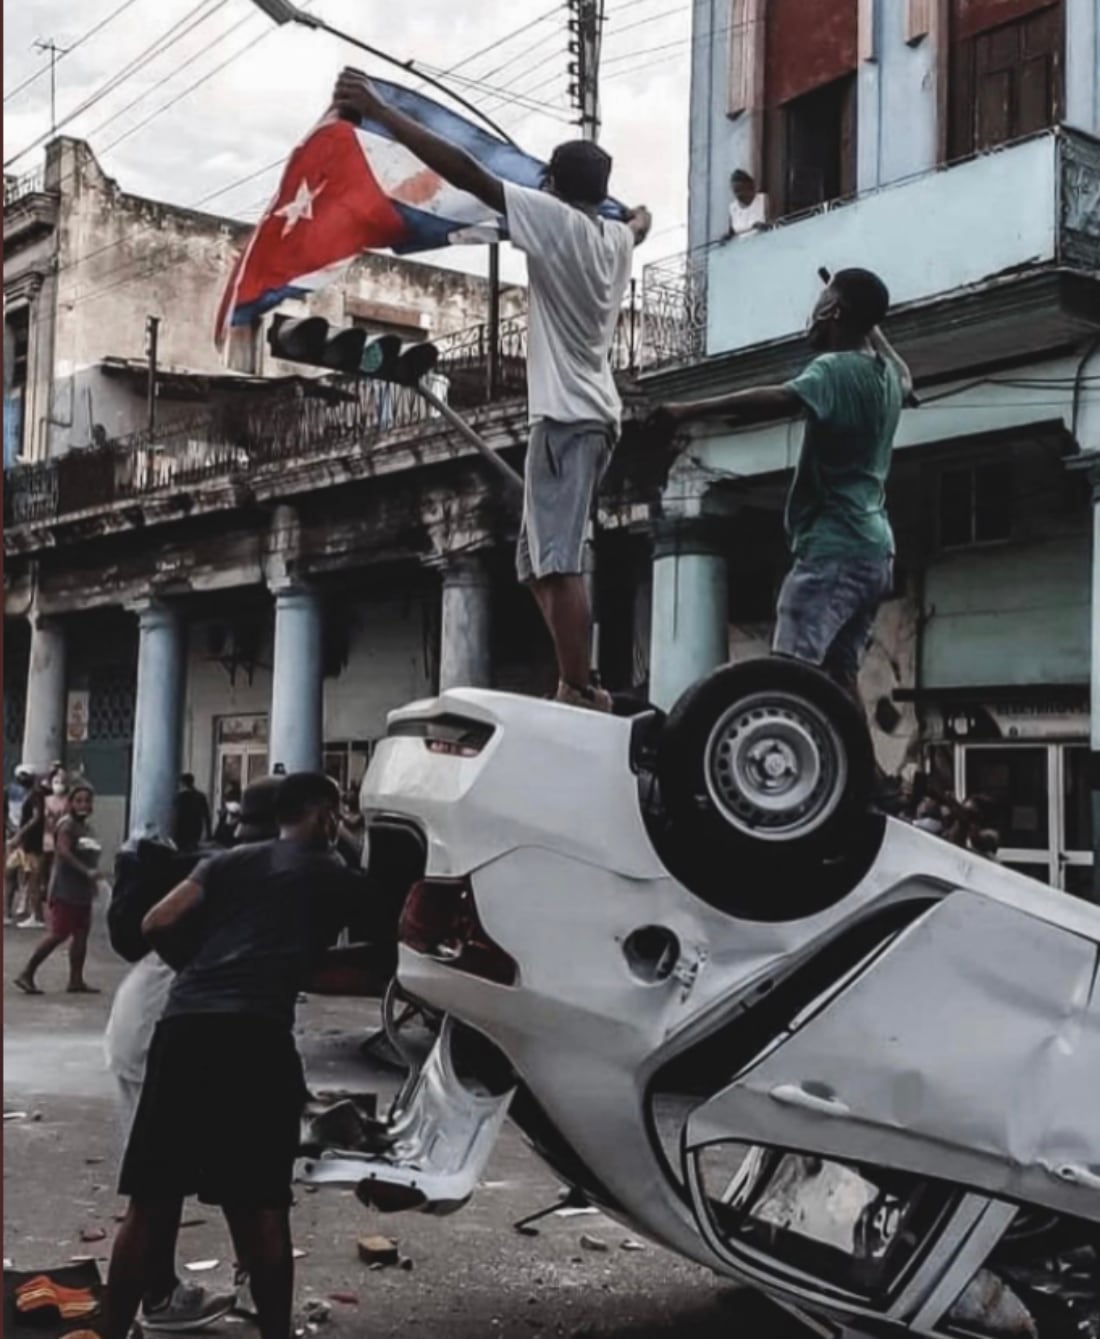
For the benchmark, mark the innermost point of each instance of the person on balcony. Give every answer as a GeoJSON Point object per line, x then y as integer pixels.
{"type": "Point", "coordinates": [841, 540]}
{"type": "Point", "coordinates": [579, 268]}
{"type": "Point", "coordinates": [748, 208]}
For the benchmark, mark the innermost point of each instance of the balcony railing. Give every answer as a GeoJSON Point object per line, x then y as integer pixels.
{"type": "Point", "coordinates": [230, 442]}
{"type": "Point", "coordinates": [464, 358]}
{"type": "Point", "coordinates": [234, 439]}
{"type": "Point", "coordinates": [674, 309]}
{"type": "Point", "coordinates": [933, 234]}
{"type": "Point", "coordinates": [17, 188]}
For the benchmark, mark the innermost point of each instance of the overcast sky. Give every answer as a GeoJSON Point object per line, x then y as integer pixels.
{"type": "Point", "coordinates": [276, 81]}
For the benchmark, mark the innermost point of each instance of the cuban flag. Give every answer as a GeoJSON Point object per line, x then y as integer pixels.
{"type": "Point", "coordinates": [350, 188]}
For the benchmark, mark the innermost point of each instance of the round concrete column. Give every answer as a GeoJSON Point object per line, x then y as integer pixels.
{"type": "Point", "coordinates": [297, 692]}
{"type": "Point", "coordinates": [158, 717]}
{"type": "Point", "coordinates": [464, 657]}
{"type": "Point", "coordinates": [44, 723]}
{"type": "Point", "coordinates": [690, 630]}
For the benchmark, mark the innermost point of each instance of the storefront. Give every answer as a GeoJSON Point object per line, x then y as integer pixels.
{"type": "Point", "coordinates": [1028, 757]}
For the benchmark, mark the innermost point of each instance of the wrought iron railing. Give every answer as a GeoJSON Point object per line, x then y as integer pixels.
{"type": "Point", "coordinates": [16, 188]}
{"type": "Point", "coordinates": [237, 437]}
{"type": "Point", "coordinates": [231, 441]}
{"type": "Point", "coordinates": [674, 309]}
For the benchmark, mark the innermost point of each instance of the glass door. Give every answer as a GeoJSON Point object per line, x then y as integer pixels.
{"type": "Point", "coordinates": [1040, 805]}
{"type": "Point", "coordinates": [241, 756]}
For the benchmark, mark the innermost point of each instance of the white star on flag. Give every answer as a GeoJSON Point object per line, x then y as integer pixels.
{"type": "Point", "coordinates": [301, 207]}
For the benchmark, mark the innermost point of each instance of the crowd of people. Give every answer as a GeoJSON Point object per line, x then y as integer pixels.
{"type": "Point", "coordinates": [969, 823]}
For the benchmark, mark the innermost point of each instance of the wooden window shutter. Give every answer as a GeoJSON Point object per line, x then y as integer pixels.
{"type": "Point", "coordinates": [919, 19]}
{"type": "Point", "coordinates": [746, 56]}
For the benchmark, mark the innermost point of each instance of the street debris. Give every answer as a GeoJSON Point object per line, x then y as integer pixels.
{"type": "Point", "coordinates": [92, 1162]}
{"type": "Point", "coordinates": [406, 1264]}
{"type": "Point", "coordinates": [15, 1115]}
{"type": "Point", "coordinates": [593, 1244]}
{"type": "Point", "coordinates": [574, 1212]}
{"type": "Point", "coordinates": [316, 1312]}
{"type": "Point", "coordinates": [378, 1251]}
{"type": "Point", "coordinates": [633, 1246]}
{"type": "Point", "coordinates": [193, 1222]}
{"type": "Point", "coordinates": [345, 1298]}
{"type": "Point", "coordinates": [202, 1266]}
{"type": "Point", "coordinates": [299, 1254]}
{"type": "Point", "coordinates": [90, 1234]}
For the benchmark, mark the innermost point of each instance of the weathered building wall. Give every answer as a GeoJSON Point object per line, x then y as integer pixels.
{"type": "Point", "coordinates": [391, 661]}
{"type": "Point", "coordinates": [211, 694]}
{"type": "Point", "coordinates": [122, 259]}
{"type": "Point", "coordinates": [391, 654]}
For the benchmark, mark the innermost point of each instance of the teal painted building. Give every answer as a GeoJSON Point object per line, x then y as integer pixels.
{"type": "Point", "coordinates": [954, 147]}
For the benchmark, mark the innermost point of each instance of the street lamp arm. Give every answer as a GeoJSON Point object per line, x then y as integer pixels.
{"type": "Point", "coordinates": [282, 11]}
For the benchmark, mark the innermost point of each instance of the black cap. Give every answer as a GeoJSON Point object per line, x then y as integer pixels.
{"type": "Point", "coordinates": [259, 803]}
{"type": "Point", "coordinates": [580, 172]}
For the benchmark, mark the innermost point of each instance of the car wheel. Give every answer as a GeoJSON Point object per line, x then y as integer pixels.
{"type": "Point", "coordinates": [767, 762]}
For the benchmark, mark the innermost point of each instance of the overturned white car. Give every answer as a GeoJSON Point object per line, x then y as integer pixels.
{"type": "Point", "coordinates": [830, 1056]}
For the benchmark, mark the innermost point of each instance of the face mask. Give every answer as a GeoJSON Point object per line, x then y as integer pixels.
{"type": "Point", "coordinates": [59, 788]}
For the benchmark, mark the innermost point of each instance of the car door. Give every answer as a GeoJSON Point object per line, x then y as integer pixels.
{"type": "Point", "coordinates": [966, 1052]}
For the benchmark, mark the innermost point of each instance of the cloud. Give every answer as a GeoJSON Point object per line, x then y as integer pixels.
{"type": "Point", "coordinates": [277, 81]}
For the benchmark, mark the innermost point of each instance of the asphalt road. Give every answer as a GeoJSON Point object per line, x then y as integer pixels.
{"type": "Point", "coordinates": [472, 1275]}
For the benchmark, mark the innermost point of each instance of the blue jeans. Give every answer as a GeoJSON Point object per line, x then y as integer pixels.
{"type": "Point", "coordinates": [827, 609]}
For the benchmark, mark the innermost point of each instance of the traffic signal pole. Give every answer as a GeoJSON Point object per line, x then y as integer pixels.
{"type": "Point", "coordinates": [586, 21]}
{"type": "Point", "coordinates": [503, 469]}
{"type": "Point", "coordinates": [313, 341]}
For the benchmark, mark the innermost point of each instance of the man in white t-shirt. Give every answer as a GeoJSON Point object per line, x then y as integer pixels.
{"type": "Point", "coordinates": [748, 208]}
{"type": "Point", "coordinates": [578, 268]}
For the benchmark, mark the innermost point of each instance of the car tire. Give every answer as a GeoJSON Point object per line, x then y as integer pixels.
{"type": "Point", "coordinates": [767, 771]}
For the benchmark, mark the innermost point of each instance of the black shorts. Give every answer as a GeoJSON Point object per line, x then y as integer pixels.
{"type": "Point", "coordinates": [219, 1115]}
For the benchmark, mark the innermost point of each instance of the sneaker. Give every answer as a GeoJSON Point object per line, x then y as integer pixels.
{"type": "Point", "coordinates": [189, 1308]}
{"type": "Point", "coordinates": [31, 923]}
{"type": "Point", "coordinates": [587, 699]}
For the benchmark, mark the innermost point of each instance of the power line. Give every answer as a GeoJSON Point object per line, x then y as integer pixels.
{"type": "Point", "coordinates": [190, 89]}
{"type": "Point", "coordinates": [69, 50]}
{"type": "Point", "coordinates": [527, 93]}
{"type": "Point", "coordinates": [500, 41]}
{"type": "Point", "coordinates": [677, 11]}
{"type": "Point", "coordinates": [248, 18]}
{"type": "Point", "coordinates": [190, 21]}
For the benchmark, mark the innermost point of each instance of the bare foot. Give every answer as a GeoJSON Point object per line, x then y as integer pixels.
{"type": "Point", "coordinates": [82, 988]}
{"type": "Point", "coordinates": [26, 986]}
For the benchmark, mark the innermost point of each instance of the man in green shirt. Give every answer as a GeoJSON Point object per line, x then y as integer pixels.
{"type": "Point", "coordinates": [843, 547]}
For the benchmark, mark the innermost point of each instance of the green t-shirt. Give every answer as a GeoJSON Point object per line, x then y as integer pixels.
{"type": "Point", "coordinates": [837, 504]}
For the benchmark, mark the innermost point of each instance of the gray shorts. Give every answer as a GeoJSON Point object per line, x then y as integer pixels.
{"type": "Point", "coordinates": [827, 610]}
{"type": "Point", "coordinates": [565, 463]}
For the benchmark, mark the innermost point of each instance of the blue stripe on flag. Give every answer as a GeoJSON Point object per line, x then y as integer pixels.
{"type": "Point", "coordinates": [247, 312]}
{"type": "Point", "coordinates": [504, 160]}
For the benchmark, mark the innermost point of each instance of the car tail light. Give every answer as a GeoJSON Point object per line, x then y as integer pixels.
{"type": "Point", "coordinates": [440, 920]}
{"type": "Point", "coordinates": [451, 736]}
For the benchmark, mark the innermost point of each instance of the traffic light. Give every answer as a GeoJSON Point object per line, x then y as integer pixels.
{"type": "Point", "coordinates": [351, 350]}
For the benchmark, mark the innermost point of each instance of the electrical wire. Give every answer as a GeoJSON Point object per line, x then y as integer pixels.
{"type": "Point", "coordinates": [248, 18]}
{"type": "Point", "coordinates": [193, 19]}
{"type": "Point", "coordinates": [96, 28]}
{"type": "Point", "coordinates": [501, 41]}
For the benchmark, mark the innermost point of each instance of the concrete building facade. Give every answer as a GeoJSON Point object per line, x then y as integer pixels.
{"type": "Point", "coordinates": [952, 146]}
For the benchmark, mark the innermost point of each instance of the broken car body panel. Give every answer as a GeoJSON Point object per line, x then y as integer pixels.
{"type": "Point", "coordinates": [904, 1073]}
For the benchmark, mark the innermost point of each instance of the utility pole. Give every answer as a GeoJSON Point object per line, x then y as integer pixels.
{"type": "Point", "coordinates": [586, 21]}
{"type": "Point", "coordinates": [54, 51]}
{"type": "Point", "coordinates": [152, 330]}
{"type": "Point", "coordinates": [492, 370]}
